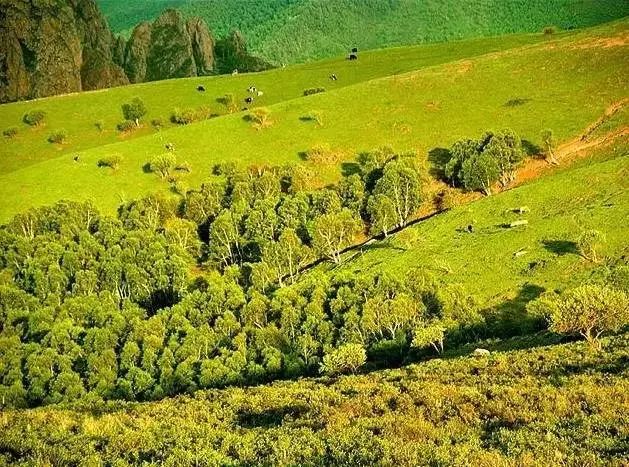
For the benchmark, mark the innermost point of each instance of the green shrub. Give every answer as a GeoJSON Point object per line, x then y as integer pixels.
{"type": "Point", "coordinates": [163, 164]}
{"type": "Point", "coordinates": [34, 118]}
{"type": "Point", "coordinates": [112, 161]}
{"type": "Point", "coordinates": [589, 310]}
{"type": "Point", "coordinates": [323, 154]}
{"type": "Point", "coordinates": [589, 244]}
{"type": "Point", "coordinates": [126, 126]}
{"type": "Point", "coordinates": [134, 110]}
{"type": "Point", "coordinates": [187, 116]}
{"type": "Point", "coordinates": [311, 91]}
{"type": "Point", "coordinates": [58, 137]}
{"type": "Point", "coordinates": [345, 359]}
{"type": "Point", "coordinates": [10, 132]}
{"type": "Point", "coordinates": [157, 123]}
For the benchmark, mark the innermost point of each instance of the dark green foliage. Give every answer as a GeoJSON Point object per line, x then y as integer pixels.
{"type": "Point", "coordinates": [187, 116]}
{"type": "Point", "coordinates": [58, 137]}
{"type": "Point", "coordinates": [34, 117]}
{"type": "Point", "coordinates": [540, 406]}
{"type": "Point", "coordinates": [10, 132]}
{"type": "Point", "coordinates": [134, 110]}
{"type": "Point", "coordinates": [479, 164]}
{"type": "Point", "coordinates": [126, 126]}
{"type": "Point", "coordinates": [231, 54]}
{"type": "Point", "coordinates": [113, 161]}
{"type": "Point", "coordinates": [311, 91]}
{"type": "Point", "coordinates": [288, 31]}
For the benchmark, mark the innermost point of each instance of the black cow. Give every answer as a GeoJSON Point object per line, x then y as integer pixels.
{"type": "Point", "coordinates": [333, 77]}
{"type": "Point", "coordinates": [354, 50]}
{"type": "Point", "coordinates": [352, 57]}
{"type": "Point", "coordinates": [201, 88]}
{"type": "Point", "coordinates": [249, 100]}
{"type": "Point", "coordinates": [76, 158]}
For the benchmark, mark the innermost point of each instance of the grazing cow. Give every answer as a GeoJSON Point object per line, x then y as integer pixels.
{"type": "Point", "coordinates": [354, 50]}
{"type": "Point", "coordinates": [249, 100]}
{"type": "Point", "coordinates": [76, 158]}
{"type": "Point", "coordinates": [201, 88]}
{"type": "Point", "coordinates": [470, 228]}
{"type": "Point", "coordinates": [352, 57]}
{"type": "Point", "coordinates": [235, 72]}
{"type": "Point", "coordinates": [170, 147]}
{"type": "Point", "coordinates": [260, 93]}
{"type": "Point", "coordinates": [252, 89]}
{"type": "Point", "coordinates": [333, 77]}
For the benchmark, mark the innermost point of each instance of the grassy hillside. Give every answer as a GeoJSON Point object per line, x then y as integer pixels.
{"type": "Point", "coordinates": [79, 113]}
{"type": "Point", "coordinates": [549, 405]}
{"type": "Point", "coordinates": [288, 31]}
{"type": "Point", "coordinates": [510, 266]}
{"type": "Point", "coordinates": [565, 85]}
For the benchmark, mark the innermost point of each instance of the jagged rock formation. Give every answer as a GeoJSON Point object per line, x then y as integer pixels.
{"type": "Point", "coordinates": [169, 48]}
{"type": "Point", "coordinates": [59, 46]}
{"type": "Point", "coordinates": [54, 47]}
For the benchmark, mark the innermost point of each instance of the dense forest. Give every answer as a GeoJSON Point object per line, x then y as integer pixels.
{"type": "Point", "coordinates": [215, 288]}
{"type": "Point", "coordinates": [287, 31]}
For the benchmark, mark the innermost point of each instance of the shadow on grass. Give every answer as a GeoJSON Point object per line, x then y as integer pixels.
{"type": "Point", "coordinates": [561, 247]}
{"type": "Point", "coordinates": [438, 157]}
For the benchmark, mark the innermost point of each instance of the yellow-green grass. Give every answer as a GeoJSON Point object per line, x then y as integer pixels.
{"type": "Point", "coordinates": [565, 85]}
{"type": "Point", "coordinates": [498, 263]}
{"type": "Point", "coordinates": [78, 113]}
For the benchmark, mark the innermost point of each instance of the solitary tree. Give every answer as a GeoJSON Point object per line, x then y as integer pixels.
{"type": "Point", "coordinates": [589, 310]}
{"type": "Point", "coordinates": [548, 140]}
{"type": "Point", "coordinates": [134, 110]}
{"type": "Point", "coordinates": [260, 117]}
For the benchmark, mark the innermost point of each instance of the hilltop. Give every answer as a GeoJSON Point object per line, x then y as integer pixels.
{"type": "Point", "coordinates": [289, 31]}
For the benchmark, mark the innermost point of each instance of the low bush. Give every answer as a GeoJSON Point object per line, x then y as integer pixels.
{"type": "Point", "coordinates": [550, 30]}
{"type": "Point", "coordinates": [260, 117]}
{"type": "Point", "coordinates": [187, 116]}
{"type": "Point", "coordinates": [163, 164]}
{"type": "Point", "coordinates": [100, 125]}
{"type": "Point", "coordinates": [112, 161]}
{"type": "Point", "coordinates": [10, 132]}
{"type": "Point", "coordinates": [58, 137]}
{"type": "Point", "coordinates": [323, 154]}
{"type": "Point", "coordinates": [126, 126]}
{"type": "Point", "coordinates": [34, 118]}
{"type": "Point", "coordinates": [311, 91]}
{"type": "Point", "coordinates": [157, 123]}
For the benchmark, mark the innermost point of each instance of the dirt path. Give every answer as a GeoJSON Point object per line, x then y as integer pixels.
{"type": "Point", "coordinates": [575, 147]}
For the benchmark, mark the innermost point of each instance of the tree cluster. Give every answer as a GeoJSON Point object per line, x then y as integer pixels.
{"type": "Point", "coordinates": [479, 164]}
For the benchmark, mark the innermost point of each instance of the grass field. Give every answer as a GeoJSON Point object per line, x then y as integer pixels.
{"type": "Point", "coordinates": [78, 113]}
{"type": "Point", "coordinates": [565, 84]}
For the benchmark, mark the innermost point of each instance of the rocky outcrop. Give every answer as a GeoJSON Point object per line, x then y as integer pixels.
{"type": "Point", "coordinates": [169, 48]}
{"type": "Point", "coordinates": [202, 45]}
{"type": "Point", "coordinates": [54, 47]}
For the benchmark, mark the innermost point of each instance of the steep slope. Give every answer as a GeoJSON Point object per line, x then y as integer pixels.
{"type": "Point", "coordinates": [539, 405]}
{"type": "Point", "coordinates": [53, 48]}
{"type": "Point", "coordinates": [288, 31]}
{"type": "Point", "coordinates": [422, 110]}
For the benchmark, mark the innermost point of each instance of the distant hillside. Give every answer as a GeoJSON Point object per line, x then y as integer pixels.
{"type": "Point", "coordinates": [287, 31]}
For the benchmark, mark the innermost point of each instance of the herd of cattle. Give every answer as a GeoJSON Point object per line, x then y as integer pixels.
{"type": "Point", "coordinates": [254, 91]}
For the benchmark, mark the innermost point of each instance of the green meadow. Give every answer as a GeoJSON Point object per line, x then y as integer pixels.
{"type": "Point", "coordinates": [564, 83]}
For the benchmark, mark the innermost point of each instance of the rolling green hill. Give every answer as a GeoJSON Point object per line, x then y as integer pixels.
{"type": "Point", "coordinates": [288, 31]}
{"type": "Point", "coordinates": [564, 84]}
